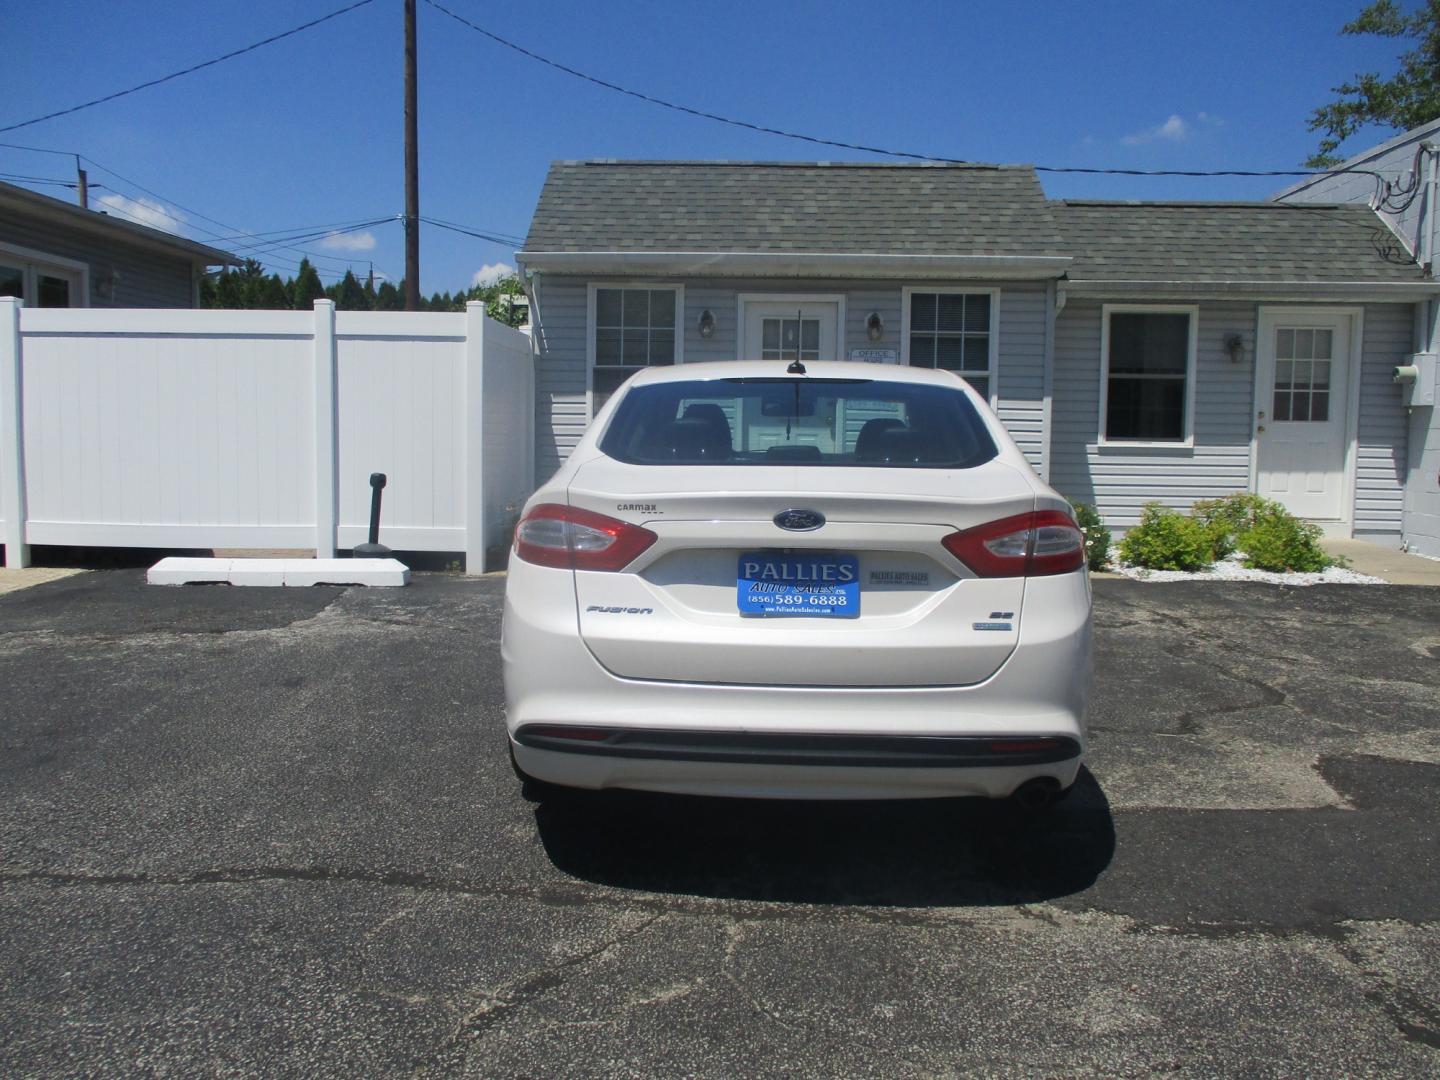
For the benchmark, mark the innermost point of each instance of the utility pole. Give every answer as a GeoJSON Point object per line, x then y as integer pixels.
{"type": "Point", "coordinates": [83, 184]}
{"type": "Point", "coordinates": [412, 170]}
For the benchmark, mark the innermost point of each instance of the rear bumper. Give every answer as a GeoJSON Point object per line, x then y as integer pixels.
{"type": "Point", "coordinates": [789, 748]}
{"type": "Point", "coordinates": [794, 741]}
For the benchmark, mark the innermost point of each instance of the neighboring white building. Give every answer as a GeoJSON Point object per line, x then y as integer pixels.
{"type": "Point", "coordinates": [1400, 180]}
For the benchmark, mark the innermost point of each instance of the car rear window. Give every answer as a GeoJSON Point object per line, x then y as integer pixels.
{"type": "Point", "coordinates": [869, 423]}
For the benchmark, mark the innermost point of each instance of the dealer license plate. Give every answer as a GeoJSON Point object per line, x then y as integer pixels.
{"type": "Point", "coordinates": [824, 585]}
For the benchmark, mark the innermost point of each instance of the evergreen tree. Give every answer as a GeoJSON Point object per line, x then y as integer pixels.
{"type": "Point", "coordinates": [389, 297]}
{"type": "Point", "coordinates": [306, 288]}
{"type": "Point", "coordinates": [272, 294]}
{"type": "Point", "coordinates": [348, 294]}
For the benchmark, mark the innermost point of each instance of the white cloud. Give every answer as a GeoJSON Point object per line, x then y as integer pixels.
{"type": "Point", "coordinates": [142, 212]}
{"type": "Point", "coordinates": [1175, 129]}
{"type": "Point", "coordinates": [361, 241]}
{"type": "Point", "coordinates": [491, 273]}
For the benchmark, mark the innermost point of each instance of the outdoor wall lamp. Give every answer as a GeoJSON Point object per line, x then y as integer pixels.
{"type": "Point", "coordinates": [707, 323]}
{"type": "Point", "coordinates": [874, 326]}
{"type": "Point", "coordinates": [1234, 344]}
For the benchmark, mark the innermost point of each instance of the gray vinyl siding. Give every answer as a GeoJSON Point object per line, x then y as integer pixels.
{"type": "Point", "coordinates": [1382, 435]}
{"type": "Point", "coordinates": [1119, 480]}
{"type": "Point", "coordinates": [1021, 369]}
{"type": "Point", "coordinates": [142, 278]}
{"type": "Point", "coordinates": [561, 338]}
{"type": "Point", "coordinates": [559, 333]}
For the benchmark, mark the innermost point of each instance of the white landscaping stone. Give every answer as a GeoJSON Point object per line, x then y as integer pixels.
{"type": "Point", "coordinates": [180, 571]}
{"type": "Point", "coordinates": [1232, 568]}
{"type": "Point", "coordinates": [275, 572]}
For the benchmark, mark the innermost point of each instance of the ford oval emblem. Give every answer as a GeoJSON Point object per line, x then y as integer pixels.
{"type": "Point", "coordinates": [800, 520]}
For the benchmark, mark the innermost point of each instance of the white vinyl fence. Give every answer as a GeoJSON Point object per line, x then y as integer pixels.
{"type": "Point", "coordinates": [260, 429]}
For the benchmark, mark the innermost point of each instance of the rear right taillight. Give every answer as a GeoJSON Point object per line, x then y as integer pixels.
{"type": "Point", "coordinates": [1027, 545]}
{"type": "Point", "coordinates": [573, 539]}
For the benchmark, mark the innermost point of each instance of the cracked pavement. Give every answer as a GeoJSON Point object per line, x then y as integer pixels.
{"type": "Point", "coordinates": [274, 832]}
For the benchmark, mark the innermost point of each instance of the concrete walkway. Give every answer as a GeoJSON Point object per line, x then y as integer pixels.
{"type": "Point", "coordinates": [1388, 564]}
{"type": "Point", "coordinates": [12, 579]}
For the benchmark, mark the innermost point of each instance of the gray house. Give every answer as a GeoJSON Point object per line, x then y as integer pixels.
{"type": "Point", "coordinates": [54, 254]}
{"type": "Point", "coordinates": [1135, 351]}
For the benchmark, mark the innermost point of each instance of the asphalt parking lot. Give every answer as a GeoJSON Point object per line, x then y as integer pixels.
{"type": "Point", "coordinates": [274, 832]}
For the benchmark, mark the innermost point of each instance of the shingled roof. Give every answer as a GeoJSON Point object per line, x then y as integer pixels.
{"type": "Point", "coordinates": [1259, 242]}
{"type": "Point", "coordinates": [775, 207]}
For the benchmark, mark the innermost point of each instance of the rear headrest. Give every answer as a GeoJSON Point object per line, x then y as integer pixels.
{"type": "Point", "coordinates": [905, 447]}
{"type": "Point", "coordinates": [709, 412]}
{"type": "Point", "coordinates": [690, 439]}
{"type": "Point", "coordinates": [869, 442]}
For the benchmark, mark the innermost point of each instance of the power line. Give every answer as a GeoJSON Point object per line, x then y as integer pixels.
{"type": "Point", "coordinates": [284, 242]}
{"type": "Point", "coordinates": [19, 179]}
{"type": "Point", "coordinates": [861, 147]}
{"type": "Point", "coordinates": [244, 234]}
{"type": "Point", "coordinates": [36, 149]}
{"type": "Point", "coordinates": [236, 231]}
{"type": "Point", "coordinates": [494, 238]}
{"type": "Point", "coordinates": [195, 213]}
{"type": "Point", "coordinates": [189, 70]}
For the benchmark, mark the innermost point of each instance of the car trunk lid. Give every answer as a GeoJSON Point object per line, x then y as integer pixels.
{"type": "Point", "coordinates": [924, 618]}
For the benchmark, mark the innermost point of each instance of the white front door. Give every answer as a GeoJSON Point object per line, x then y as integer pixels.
{"type": "Point", "coordinates": [1302, 388]}
{"type": "Point", "coordinates": [791, 329]}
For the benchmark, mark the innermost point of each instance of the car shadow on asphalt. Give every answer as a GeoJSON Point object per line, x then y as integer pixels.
{"type": "Point", "coordinates": [919, 853]}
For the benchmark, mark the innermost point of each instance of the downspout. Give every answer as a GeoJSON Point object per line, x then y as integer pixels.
{"type": "Point", "coordinates": [1047, 409]}
{"type": "Point", "coordinates": [1427, 235]}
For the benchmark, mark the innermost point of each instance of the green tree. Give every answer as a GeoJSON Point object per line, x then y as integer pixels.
{"type": "Point", "coordinates": [390, 297]}
{"type": "Point", "coordinates": [306, 288]}
{"type": "Point", "coordinates": [272, 294]}
{"type": "Point", "coordinates": [1407, 99]}
{"type": "Point", "coordinates": [348, 294]}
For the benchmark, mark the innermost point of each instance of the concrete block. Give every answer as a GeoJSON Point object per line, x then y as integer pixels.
{"type": "Point", "coordinates": [373, 572]}
{"type": "Point", "coordinates": [258, 571]}
{"type": "Point", "coordinates": [275, 572]}
{"type": "Point", "coordinates": [180, 571]}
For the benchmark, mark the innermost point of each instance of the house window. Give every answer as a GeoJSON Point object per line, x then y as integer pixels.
{"type": "Point", "coordinates": [1149, 361]}
{"type": "Point", "coordinates": [954, 331]}
{"type": "Point", "coordinates": [1303, 358]}
{"type": "Point", "coordinates": [790, 339]}
{"type": "Point", "coordinates": [39, 283]}
{"type": "Point", "coordinates": [634, 328]}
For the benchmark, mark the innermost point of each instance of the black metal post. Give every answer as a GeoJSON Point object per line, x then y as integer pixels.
{"type": "Point", "coordinates": [374, 549]}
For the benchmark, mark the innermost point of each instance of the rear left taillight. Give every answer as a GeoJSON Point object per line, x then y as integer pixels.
{"type": "Point", "coordinates": [573, 539]}
{"type": "Point", "coordinates": [1027, 545]}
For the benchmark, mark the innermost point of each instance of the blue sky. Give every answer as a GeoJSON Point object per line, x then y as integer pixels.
{"type": "Point", "coordinates": [307, 132]}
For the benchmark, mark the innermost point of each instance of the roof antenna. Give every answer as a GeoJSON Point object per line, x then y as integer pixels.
{"type": "Point", "coordinates": [796, 367]}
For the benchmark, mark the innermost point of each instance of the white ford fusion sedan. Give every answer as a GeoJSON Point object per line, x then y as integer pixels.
{"type": "Point", "coordinates": [833, 581]}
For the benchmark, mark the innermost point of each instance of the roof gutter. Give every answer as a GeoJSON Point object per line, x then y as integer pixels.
{"type": "Point", "coordinates": [1395, 291]}
{"type": "Point", "coordinates": [794, 264]}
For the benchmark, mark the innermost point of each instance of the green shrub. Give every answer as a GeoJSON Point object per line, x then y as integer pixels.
{"type": "Point", "coordinates": [1277, 540]}
{"type": "Point", "coordinates": [1166, 540]}
{"type": "Point", "coordinates": [1224, 520]}
{"type": "Point", "coordinates": [1097, 536]}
